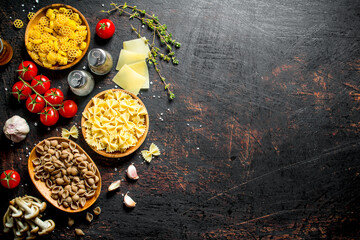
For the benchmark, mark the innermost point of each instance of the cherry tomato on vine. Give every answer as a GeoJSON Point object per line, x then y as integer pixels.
{"type": "Point", "coordinates": [35, 103]}
{"type": "Point", "coordinates": [20, 91]}
{"type": "Point", "coordinates": [105, 28]}
{"type": "Point", "coordinates": [54, 96]}
{"type": "Point", "coordinates": [40, 83]}
{"type": "Point", "coordinates": [10, 179]}
{"type": "Point", "coordinates": [27, 70]}
{"type": "Point", "coordinates": [49, 116]}
{"type": "Point", "coordinates": [68, 109]}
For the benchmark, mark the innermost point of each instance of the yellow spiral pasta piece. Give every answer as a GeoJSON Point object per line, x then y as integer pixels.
{"type": "Point", "coordinates": [44, 21]}
{"type": "Point", "coordinates": [72, 53]}
{"type": "Point", "coordinates": [30, 15]}
{"type": "Point", "coordinates": [68, 12]}
{"type": "Point", "coordinates": [18, 23]}
{"type": "Point", "coordinates": [44, 47]}
{"type": "Point", "coordinates": [64, 46]}
{"type": "Point", "coordinates": [34, 55]}
{"type": "Point", "coordinates": [36, 48]}
{"type": "Point", "coordinates": [45, 37]}
{"type": "Point", "coordinates": [34, 34]}
{"type": "Point", "coordinates": [65, 30]}
{"type": "Point", "coordinates": [39, 28]}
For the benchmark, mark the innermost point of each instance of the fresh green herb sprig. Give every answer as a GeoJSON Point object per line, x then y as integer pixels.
{"type": "Point", "coordinates": [158, 30]}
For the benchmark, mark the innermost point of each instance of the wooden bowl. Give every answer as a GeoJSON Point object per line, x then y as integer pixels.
{"type": "Point", "coordinates": [45, 191]}
{"type": "Point", "coordinates": [130, 150]}
{"type": "Point", "coordinates": [42, 12]}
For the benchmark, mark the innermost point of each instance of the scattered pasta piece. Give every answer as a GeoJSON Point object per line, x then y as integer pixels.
{"type": "Point", "coordinates": [18, 23]}
{"type": "Point", "coordinates": [30, 15]}
{"type": "Point", "coordinates": [114, 123]}
{"type": "Point", "coordinates": [73, 132]}
{"type": "Point", "coordinates": [153, 151]}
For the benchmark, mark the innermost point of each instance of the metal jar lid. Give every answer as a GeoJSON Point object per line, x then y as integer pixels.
{"type": "Point", "coordinates": [77, 78]}
{"type": "Point", "coordinates": [96, 57]}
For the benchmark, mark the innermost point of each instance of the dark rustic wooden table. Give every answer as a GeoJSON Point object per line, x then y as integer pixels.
{"type": "Point", "coordinates": [261, 141]}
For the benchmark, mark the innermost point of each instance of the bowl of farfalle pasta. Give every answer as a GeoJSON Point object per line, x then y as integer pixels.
{"type": "Point", "coordinates": [115, 123]}
{"type": "Point", "coordinates": [57, 36]}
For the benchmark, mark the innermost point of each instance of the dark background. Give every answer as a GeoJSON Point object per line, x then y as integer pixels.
{"type": "Point", "coordinates": [261, 141]}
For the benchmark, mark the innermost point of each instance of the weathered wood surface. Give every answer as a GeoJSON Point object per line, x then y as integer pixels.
{"type": "Point", "coordinates": [262, 140]}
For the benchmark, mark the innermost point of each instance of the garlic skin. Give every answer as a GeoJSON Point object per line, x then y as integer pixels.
{"type": "Point", "coordinates": [131, 172]}
{"type": "Point", "coordinates": [128, 201]}
{"type": "Point", "coordinates": [16, 129]}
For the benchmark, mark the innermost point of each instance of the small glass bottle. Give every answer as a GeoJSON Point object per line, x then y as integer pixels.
{"type": "Point", "coordinates": [100, 61]}
{"type": "Point", "coordinates": [6, 52]}
{"type": "Point", "coordinates": [81, 82]}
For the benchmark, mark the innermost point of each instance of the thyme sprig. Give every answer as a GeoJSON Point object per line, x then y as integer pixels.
{"type": "Point", "coordinates": [158, 30]}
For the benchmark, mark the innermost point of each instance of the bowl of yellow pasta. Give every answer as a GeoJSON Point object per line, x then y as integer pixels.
{"type": "Point", "coordinates": [115, 123]}
{"type": "Point", "coordinates": [57, 36]}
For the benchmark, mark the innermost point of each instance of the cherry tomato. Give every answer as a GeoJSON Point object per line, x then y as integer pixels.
{"type": "Point", "coordinates": [49, 116]}
{"type": "Point", "coordinates": [68, 109]}
{"type": "Point", "coordinates": [21, 91]}
{"type": "Point", "coordinates": [10, 179]}
{"type": "Point", "coordinates": [105, 28]}
{"type": "Point", "coordinates": [40, 83]}
{"type": "Point", "coordinates": [27, 70]}
{"type": "Point", "coordinates": [54, 96]}
{"type": "Point", "coordinates": [35, 103]}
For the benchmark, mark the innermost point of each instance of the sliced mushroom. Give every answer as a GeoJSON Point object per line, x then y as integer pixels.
{"type": "Point", "coordinates": [33, 228]}
{"type": "Point", "coordinates": [45, 226]}
{"type": "Point", "coordinates": [30, 212]}
{"type": "Point", "coordinates": [15, 212]}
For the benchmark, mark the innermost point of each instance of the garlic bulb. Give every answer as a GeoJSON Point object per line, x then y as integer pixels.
{"type": "Point", "coordinates": [16, 128]}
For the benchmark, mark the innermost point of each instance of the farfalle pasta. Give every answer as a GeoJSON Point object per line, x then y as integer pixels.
{"type": "Point", "coordinates": [153, 151]}
{"type": "Point", "coordinates": [114, 123]}
{"type": "Point", "coordinates": [58, 38]}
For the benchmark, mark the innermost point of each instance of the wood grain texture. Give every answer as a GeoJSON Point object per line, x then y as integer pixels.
{"type": "Point", "coordinates": [262, 140]}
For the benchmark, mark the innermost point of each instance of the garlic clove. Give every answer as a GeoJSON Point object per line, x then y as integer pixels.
{"type": "Point", "coordinates": [131, 172]}
{"type": "Point", "coordinates": [128, 201]}
{"type": "Point", "coordinates": [115, 185]}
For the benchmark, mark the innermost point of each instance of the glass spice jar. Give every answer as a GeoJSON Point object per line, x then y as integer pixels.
{"type": "Point", "coordinates": [100, 61]}
{"type": "Point", "coordinates": [81, 82]}
{"type": "Point", "coordinates": [6, 52]}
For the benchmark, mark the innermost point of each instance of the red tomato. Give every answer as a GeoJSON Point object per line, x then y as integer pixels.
{"type": "Point", "coordinates": [27, 70]}
{"type": "Point", "coordinates": [54, 96]}
{"type": "Point", "coordinates": [105, 28]}
{"type": "Point", "coordinates": [40, 83]}
{"type": "Point", "coordinates": [35, 103]}
{"type": "Point", "coordinates": [49, 116]}
{"type": "Point", "coordinates": [68, 109]}
{"type": "Point", "coordinates": [10, 179]}
{"type": "Point", "coordinates": [21, 91]}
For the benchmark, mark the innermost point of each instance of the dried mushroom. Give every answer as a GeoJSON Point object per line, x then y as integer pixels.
{"type": "Point", "coordinates": [23, 217]}
{"type": "Point", "coordinates": [71, 178]}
